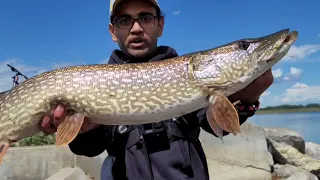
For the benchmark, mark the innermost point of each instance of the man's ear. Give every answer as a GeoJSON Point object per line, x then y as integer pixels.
{"type": "Point", "coordinates": [160, 26]}
{"type": "Point", "coordinates": [113, 32]}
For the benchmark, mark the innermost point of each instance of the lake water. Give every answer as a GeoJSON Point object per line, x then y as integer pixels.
{"type": "Point", "coordinates": [306, 124]}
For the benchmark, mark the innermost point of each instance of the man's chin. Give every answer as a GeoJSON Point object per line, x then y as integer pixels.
{"type": "Point", "coordinates": [139, 53]}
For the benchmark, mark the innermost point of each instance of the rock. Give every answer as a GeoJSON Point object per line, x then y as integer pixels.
{"type": "Point", "coordinates": [45, 160]}
{"type": "Point", "coordinates": [91, 165]}
{"type": "Point", "coordinates": [313, 150]}
{"type": "Point", "coordinates": [288, 171]}
{"type": "Point", "coordinates": [302, 176]}
{"type": "Point", "coordinates": [286, 154]}
{"type": "Point", "coordinates": [245, 155]}
{"type": "Point", "coordinates": [69, 174]}
{"type": "Point", "coordinates": [286, 136]}
{"type": "Point", "coordinates": [250, 155]}
{"type": "Point", "coordinates": [224, 171]}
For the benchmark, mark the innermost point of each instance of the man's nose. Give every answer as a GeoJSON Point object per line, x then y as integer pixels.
{"type": "Point", "coordinates": [136, 28]}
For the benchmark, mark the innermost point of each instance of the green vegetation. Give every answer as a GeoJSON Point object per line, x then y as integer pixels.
{"type": "Point", "coordinates": [314, 107]}
{"type": "Point", "coordinates": [39, 139]}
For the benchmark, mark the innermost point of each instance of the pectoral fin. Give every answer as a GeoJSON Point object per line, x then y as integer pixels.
{"type": "Point", "coordinates": [69, 129]}
{"type": "Point", "coordinates": [213, 124]}
{"type": "Point", "coordinates": [222, 114]}
{"type": "Point", "coordinates": [3, 149]}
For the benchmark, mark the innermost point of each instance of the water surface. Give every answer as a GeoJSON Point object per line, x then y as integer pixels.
{"type": "Point", "coordinates": [306, 124]}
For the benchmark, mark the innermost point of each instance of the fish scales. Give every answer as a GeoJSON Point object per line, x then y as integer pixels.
{"type": "Point", "coordinates": [138, 93]}
{"type": "Point", "coordinates": [109, 92]}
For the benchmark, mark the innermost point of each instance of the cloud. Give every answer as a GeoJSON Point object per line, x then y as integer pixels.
{"type": "Point", "coordinates": [301, 52]}
{"type": "Point", "coordinates": [105, 61]}
{"type": "Point", "coordinates": [299, 85]}
{"type": "Point", "coordinates": [286, 78]}
{"type": "Point", "coordinates": [266, 93]}
{"type": "Point", "coordinates": [6, 80]}
{"type": "Point", "coordinates": [294, 74]}
{"type": "Point", "coordinates": [65, 64]}
{"type": "Point", "coordinates": [277, 73]}
{"type": "Point", "coordinates": [265, 98]}
{"type": "Point", "coordinates": [300, 92]}
{"type": "Point", "coordinates": [176, 12]}
{"type": "Point", "coordinates": [270, 100]}
{"type": "Point", "coordinates": [6, 74]}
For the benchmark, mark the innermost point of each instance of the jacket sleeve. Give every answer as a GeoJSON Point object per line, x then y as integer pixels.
{"type": "Point", "coordinates": [91, 143]}
{"type": "Point", "coordinates": [201, 115]}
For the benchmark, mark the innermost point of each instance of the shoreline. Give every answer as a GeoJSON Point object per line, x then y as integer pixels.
{"type": "Point", "coordinates": [283, 111]}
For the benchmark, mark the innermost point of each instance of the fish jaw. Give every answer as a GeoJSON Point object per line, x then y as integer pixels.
{"type": "Point", "coordinates": [278, 52]}
{"type": "Point", "coordinates": [231, 67]}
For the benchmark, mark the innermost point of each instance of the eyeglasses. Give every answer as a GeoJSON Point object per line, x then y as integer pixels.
{"type": "Point", "coordinates": [126, 22]}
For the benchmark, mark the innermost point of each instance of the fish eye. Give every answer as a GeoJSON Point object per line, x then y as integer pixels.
{"type": "Point", "coordinates": [243, 45]}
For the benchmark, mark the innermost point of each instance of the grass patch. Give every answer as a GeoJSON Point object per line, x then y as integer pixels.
{"type": "Point", "coordinates": [39, 139]}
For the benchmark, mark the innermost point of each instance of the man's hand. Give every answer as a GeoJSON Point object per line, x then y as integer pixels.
{"type": "Point", "coordinates": [253, 91]}
{"type": "Point", "coordinates": [49, 125]}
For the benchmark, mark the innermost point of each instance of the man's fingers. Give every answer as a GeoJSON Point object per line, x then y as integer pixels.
{"type": "Point", "coordinates": [46, 126]}
{"type": "Point", "coordinates": [45, 123]}
{"type": "Point", "coordinates": [58, 114]}
{"type": "Point", "coordinates": [49, 125]}
{"type": "Point", "coordinates": [59, 111]}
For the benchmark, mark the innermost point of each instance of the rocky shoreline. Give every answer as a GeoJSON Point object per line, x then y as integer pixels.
{"type": "Point", "coordinates": [293, 157]}
{"type": "Point", "coordinates": [262, 154]}
{"type": "Point", "coordinates": [256, 154]}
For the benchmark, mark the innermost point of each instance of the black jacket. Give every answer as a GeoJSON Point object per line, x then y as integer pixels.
{"type": "Point", "coordinates": [174, 152]}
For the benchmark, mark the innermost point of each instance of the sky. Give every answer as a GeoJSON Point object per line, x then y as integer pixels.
{"type": "Point", "coordinates": [37, 35]}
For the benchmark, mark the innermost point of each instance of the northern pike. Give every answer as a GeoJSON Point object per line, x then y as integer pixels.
{"type": "Point", "coordinates": [138, 93]}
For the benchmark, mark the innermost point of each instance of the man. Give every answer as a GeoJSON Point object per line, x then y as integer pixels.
{"type": "Point", "coordinates": [165, 150]}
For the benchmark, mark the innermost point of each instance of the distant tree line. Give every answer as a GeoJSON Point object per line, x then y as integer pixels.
{"type": "Point", "coordinates": [287, 106]}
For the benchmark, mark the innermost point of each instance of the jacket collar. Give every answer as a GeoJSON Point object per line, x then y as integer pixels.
{"type": "Point", "coordinates": [164, 52]}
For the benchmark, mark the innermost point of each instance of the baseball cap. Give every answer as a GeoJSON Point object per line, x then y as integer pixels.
{"type": "Point", "coordinates": [114, 3]}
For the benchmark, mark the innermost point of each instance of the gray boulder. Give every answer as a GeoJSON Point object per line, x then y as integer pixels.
{"type": "Point", "coordinates": [69, 174]}
{"type": "Point", "coordinates": [288, 171]}
{"type": "Point", "coordinates": [302, 176]}
{"type": "Point", "coordinates": [286, 136]}
{"type": "Point", "coordinates": [313, 150]}
{"type": "Point", "coordinates": [286, 154]}
{"type": "Point", "coordinates": [246, 155]}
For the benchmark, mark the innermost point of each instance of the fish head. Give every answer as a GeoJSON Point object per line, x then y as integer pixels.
{"type": "Point", "coordinates": [231, 67]}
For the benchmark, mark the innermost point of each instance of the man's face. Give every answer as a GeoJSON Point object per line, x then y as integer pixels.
{"type": "Point", "coordinates": [137, 40]}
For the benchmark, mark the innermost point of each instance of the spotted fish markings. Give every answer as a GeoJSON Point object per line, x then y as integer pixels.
{"type": "Point", "coordinates": [140, 93]}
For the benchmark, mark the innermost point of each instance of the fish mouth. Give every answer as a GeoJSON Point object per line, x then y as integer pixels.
{"type": "Point", "coordinates": [287, 41]}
